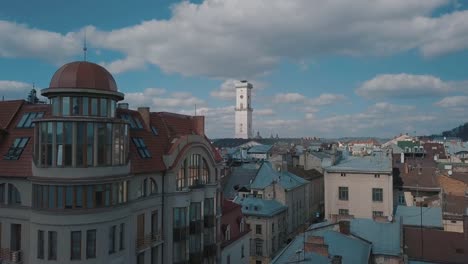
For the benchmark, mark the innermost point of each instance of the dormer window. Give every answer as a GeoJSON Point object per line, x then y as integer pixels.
{"type": "Point", "coordinates": [26, 119]}
{"type": "Point", "coordinates": [14, 152]}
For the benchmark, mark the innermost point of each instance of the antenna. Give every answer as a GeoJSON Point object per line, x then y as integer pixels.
{"type": "Point", "coordinates": [85, 48]}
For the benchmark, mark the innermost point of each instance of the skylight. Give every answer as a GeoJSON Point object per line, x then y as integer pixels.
{"type": "Point", "coordinates": [26, 119]}
{"type": "Point", "coordinates": [14, 152]}
{"type": "Point", "coordinates": [133, 121]}
{"type": "Point", "coordinates": [141, 147]}
{"type": "Point", "coordinates": [155, 130]}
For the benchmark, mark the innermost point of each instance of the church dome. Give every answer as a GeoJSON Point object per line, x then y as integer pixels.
{"type": "Point", "coordinates": [83, 75]}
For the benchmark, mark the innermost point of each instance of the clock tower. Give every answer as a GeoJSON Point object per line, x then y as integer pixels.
{"type": "Point", "coordinates": [243, 125]}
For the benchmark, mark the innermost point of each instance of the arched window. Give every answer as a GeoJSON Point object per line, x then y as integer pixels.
{"type": "Point", "coordinates": [14, 196]}
{"type": "Point", "coordinates": [141, 192]}
{"type": "Point", "coordinates": [205, 174]}
{"type": "Point", "coordinates": [227, 234]}
{"type": "Point", "coordinates": [194, 170]}
{"type": "Point", "coordinates": [181, 175]}
{"type": "Point", "coordinates": [153, 186]}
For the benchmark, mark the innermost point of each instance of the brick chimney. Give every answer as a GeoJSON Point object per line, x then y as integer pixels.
{"type": "Point", "coordinates": [199, 125]}
{"type": "Point", "coordinates": [316, 244]}
{"type": "Point", "coordinates": [145, 115]}
{"type": "Point", "coordinates": [345, 227]}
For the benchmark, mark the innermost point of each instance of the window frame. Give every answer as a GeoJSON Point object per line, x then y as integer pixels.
{"type": "Point", "coordinates": [141, 147]}
{"type": "Point", "coordinates": [16, 149]}
{"type": "Point", "coordinates": [377, 195]}
{"type": "Point", "coordinates": [343, 193]}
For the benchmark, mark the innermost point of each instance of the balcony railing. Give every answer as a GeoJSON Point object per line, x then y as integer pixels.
{"type": "Point", "coordinates": [148, 241]}
{"type": "Point", "coordinates": [8, 256]}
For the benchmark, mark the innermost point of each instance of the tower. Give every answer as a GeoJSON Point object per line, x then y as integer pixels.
{"type": "Point", "coordinates": [243, 125]}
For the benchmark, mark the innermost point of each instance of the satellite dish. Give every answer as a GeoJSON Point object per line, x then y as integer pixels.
{"type": "Point", "coordinates": [390, 218]}
{"type": "Point", "coordinates": [450, 172]}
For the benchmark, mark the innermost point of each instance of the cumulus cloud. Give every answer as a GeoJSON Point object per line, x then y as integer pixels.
{"type": "Point", "coordinates": [326, 99]}
{"type": "Point", "coordinates": [289, 98]}
{"type": "Point", "coordinates": [14, 89]}
{"type": "Point", "coordinates": [232, 39]}
{"type": "Point", "coordinates": [403, 86]}
{"type": "Point", "coordinates": [264, 112]}
{"type": "Point", "coordinates": [453, 101]}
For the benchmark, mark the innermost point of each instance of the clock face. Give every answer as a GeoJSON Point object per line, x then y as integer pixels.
{"type": "Point", "coordinates": [241, 96]}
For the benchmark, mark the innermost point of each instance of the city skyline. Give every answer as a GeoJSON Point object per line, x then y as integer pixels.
{"type": "Point", "coordinates": [319, 69]}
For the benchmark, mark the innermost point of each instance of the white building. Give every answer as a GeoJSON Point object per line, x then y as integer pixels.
{"type": "Point", "coordinates": [243, 125]}
{"type": "Point", "coordinates": [361, 186]}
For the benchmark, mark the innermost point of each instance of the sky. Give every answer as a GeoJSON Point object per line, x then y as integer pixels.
{"type": "Point", "coordinates": [319, 68]}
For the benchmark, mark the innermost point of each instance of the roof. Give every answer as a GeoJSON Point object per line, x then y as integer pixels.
{"type": "Point", "coordinates": [408, 144]}
{"type": "Point", "coordinates": [374, 232]}
{"type": "Point", "coordinates": [439, 246]}
{"type": "Point", "coordinates": [83, 74]}
{"type": "Point", "coordinates": [454, 147]}
{"type": "Point", "coordinates": [411, 215]}
{"type": "Point", "coordinates": [259, 207]}
{"type": "Point", "coordinates": [421, 172]}
{"type": "Point", "coordinates": [306, 174]}
{"type": "Point", "coordinates": [455, 205]}
{"type": "Point", "coordinates": [376, 162]}
{"type": "Point", "coordinates": [172, 129]}
{"type": "Point", "coordinates": [289, 255]}
{"type": "Point", "coordinates": [266, 175]}
{"type": "Point", "coordinates": [259, 149]}
{"type": "Point", "coordinates": [240, 176]}
{"type": "Point", "coordinates": [232, 216]}
{"type": "Point", "coordinates": [320, 154]}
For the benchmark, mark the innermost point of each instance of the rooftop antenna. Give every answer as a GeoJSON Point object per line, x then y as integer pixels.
{"type": "Point", "coordinates": [85, 48]}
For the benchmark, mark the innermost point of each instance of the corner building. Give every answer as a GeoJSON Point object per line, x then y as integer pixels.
{"type": "Point", "coordinates": [87, 180]}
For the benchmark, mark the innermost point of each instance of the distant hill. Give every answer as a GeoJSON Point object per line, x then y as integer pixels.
{"type": "Point", "coordinates": [460, 132]}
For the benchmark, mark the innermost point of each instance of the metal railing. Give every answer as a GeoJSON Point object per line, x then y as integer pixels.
{"type": "Point", "coordinates": [148, 240]}
{"type": "Point", "coordinates": [8, 256]}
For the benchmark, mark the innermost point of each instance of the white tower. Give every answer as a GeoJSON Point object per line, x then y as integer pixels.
{"type": "Point", "coordinates": [243, 128]}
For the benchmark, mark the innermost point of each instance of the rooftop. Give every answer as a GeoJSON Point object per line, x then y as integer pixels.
{"type": "Point", "coordinates": [411, 215]}
{"type": "Point", "coordinates": [240, 176]}
{"type": "Point", "coordinates": [259, 149]}
{"type": "Point", "coordinates": [259, 207]}
{"type": "Point", "coordinates": [374, 232]}
{"type": "Point", "coordinates": [378, 161]}
{"type": "Point", "coordinates": [266, 175]}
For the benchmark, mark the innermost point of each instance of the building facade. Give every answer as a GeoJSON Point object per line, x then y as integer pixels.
{"type": "Point", "coordinates": [243, 110]}
{"type": "Point", "coordinates": [360, 186]}
{"type": "Point", "coordinates": [86, 180]}
{"type": "Point", "coordinates": [235, 246]}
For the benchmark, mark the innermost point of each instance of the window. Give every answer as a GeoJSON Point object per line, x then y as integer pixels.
{"type": "Point", "coordinates": [181, 176]}
{"type": "Point", "coordinates": [205, 173]}
{"type": "Point", "coordinates": [242, 225]}
{"type": "Point", "coordinates": [376, 175]}
{"type": "Point", "coordinates": [343, 211]}
{"type": "Point", "coordinates": [343, 174]}
{"type": "Point", "coordinates": [91, 244]}
{"type": "Point", "coordinates": [258, 247]}
{"type": "Point", "coordinates": [40, 244]}
{"type": "Point", "coordinates": [112, 231]}
{"type": "Point", "coordinates": [141, 147]}
{"type": "Point", "coordinates": [26, 119]}
{"type": "Point", "coordinates": [133, 121]}
{"type": "Point", "coordinates": [52, 245]}
{"type": "Point", "coordinates": [227, 234]}
{"type": "Point", "coordinates": [2, 193]}
{"type": "Point", "coordinates": [153, 186]}
{"type": "Point", "coordinates": [13, 195]}
{"type": "Point", "coordinates": [242, 251]}
{"type": "Point", "coordinates": [194, 170]}
{"type": "Point", "coordinates": [75, 245]}
{"type": "Point", "coordinates": [258, 229]}
{"type": "Point", "coordinates": [401, 199]}
{"type": "Point", "coordinates": [122, 236]}
{"type": "Point", "coordinates": [15, 150]}
{"type": "Point", "coordinates": [343, 193]}
{"type": "Point", "coordinates": [154, 130]}
{"type": "Point", "coordinates": [377, 213]}
{"type": "Point", "coordinates": [377, 194]}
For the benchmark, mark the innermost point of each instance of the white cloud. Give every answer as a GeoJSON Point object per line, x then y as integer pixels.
{"type": "Point", "coordinates": [264, 112]}
{"type": "Point", "coordinates": [453, 101]}
{"type": "Point", "coordinates": [403, 86]}
{"type": "Point", "coordinates": [326, 99]}
{"type": "Point", "coordinates": [289, 98]}
{"type": "Point", "coordinates": [232, 39]}
{"type": "Point", "coordinates": [14, 89]}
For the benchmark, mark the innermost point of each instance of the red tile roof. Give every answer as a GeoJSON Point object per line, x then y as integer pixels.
{"type": "Point", "coordinates": [169, 126]}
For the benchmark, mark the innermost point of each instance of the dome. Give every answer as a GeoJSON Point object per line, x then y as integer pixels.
{"type": "Point", "coordinates": [84, 75]}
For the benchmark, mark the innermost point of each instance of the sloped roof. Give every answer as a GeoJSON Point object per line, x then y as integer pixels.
{"type": "Point", "coordinates": [376, 162]}
{"type": "Point", "coordinates": [8, 110]}
{"type": "Point", "coordinates": [266, 175]}
{"type": "Point", "coordinates": [259, 207]}
{"type": "Point", "coordinates": [411, 215]}
{"type": "Point", "coordinates": [454, 147]}
{"type": "Point", "coordinates": [259, 149]}
{"type": "Point", "coordinates": [288, 254]}
{"type": "Point", "coordinates": [385, 237]}
{"type": "Point", "coordinates": [240, 176]}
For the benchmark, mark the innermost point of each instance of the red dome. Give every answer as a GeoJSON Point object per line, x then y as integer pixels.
{"type": "Point", "coordinates": [83, 74]}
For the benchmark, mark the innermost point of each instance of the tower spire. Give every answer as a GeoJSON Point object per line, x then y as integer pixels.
{"type": "Point", "coordinates": [85, 48]}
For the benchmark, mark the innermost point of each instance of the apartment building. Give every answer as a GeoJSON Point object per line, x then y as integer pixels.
{"type": "Point", "coordinates": [86, 180]}
{"type": "Point", "coordinates": [359, 186]}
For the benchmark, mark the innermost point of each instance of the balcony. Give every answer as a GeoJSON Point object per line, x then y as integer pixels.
{"type": "Point", "coordinates": [210, 250]}
{"type": "Point", "coordinates": [8, 256]}
{"type": "Point", "coordinates": [148, 241]}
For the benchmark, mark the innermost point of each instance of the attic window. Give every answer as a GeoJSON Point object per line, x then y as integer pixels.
{"type": "Point", "coordinates": [14, 152]}
{"type": "Point", "coordinates": [134, 122]}
{"type": "Point", "coordinates": [155, 130]}
{"type": "Point", "coordinates": [141, 147]}
{"type": "Point", "coordinates": [26, 119]}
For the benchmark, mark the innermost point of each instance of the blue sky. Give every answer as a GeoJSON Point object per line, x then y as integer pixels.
{"type": "Point", "coordinates": [319, 68]}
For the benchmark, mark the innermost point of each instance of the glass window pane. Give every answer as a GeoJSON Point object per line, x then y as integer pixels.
{"type": "Point", "coordinates": [80, 135]}
{"type": "Point", "coordinates": [55, 106]}
{"type": "Point", "coordinates": [66, 106]}
{"type": "Point", "coordinates": [90, 144]}
{"type": "Point", "coordinates": [79, 196]}
{"type": "Point", "coordinates": [103, 105]}
{"type": "Point", "coordinates": [59, 196]}
{"type": "Point", "coordinates": [69, 197]}
{"type": "Point", "coordinates": [94, 106]}
{"type": "Point", "coordinates": [76, 105]}
{"type": "Point", "coordinates": [85, 106]}
{"type": "Point", "coordinates": [68, 132]}
{"type": "Point", "coordinates": [52, 196]}
{"type": "Point", "coordinates": [90, 197]}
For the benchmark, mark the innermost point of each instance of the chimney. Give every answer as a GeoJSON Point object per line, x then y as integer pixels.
{"type": "Point", "coordinates": [145, 115]}
{"type": "Point", "coordinates": [336, 260]}
{"type": "Point", "coordinates": [402, 157]}
{"type": "Point", "coordinates": [316, 245]}
{"type": "Point", "coordinates": [199, 125]}
{"type": "Point", "coordinates": [344, 227]}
